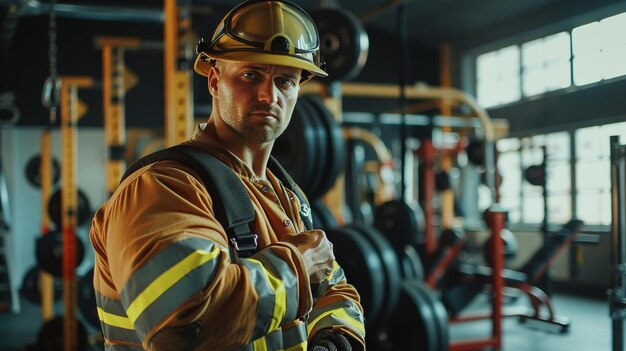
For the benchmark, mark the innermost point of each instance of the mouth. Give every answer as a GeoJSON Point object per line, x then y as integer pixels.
{"type": "Point", "coordinates": [264, 114]}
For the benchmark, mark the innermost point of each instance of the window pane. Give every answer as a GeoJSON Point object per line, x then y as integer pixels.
{"type": "Point", "coordinates": [614, 62]}
{"type": "Point", "coordinates": [585, 39]}
{"type": "Point", "coordinates": [557, 47]}
{"type": "Point", "coordinates": [533, 209]}
{"type": "Point", "coordinates": [546, 64]}
{"type": "Point", "coordinates": [531, 156]}
{"type": "Point", "coordinates": [532, 54]}
{"type": "Point", "coordinates": [594, 207]}
{"type": "Point", "coordinates": [609, 130]}
{"type": "Point", "coordinates": [588, 143]}
{"type": "Point", "coordinates": [512, 205]}
{"type": "Point", "coordinates": [486, 66]}
{"type": "Point", "coordinates": [599, 50]}
{"type": "Point", "coordinates": [613, 29]}
{"type": "Point", "coordinates": [558, 145]}
{"type": "Point", "coordinates": [559, 177]}
{"type": "Point", "coordinates": [557, 75]}
{"type": "Point", "coordinates": [533, 83]}
{"type": "Point", "coordinates": [509, 144]}
{"type": "Point", "coordinates": [559, 208]}
{"type": "Point", "coordinates": [497, 73]}
{"type": "Point", "coordinates": [593, 175]}
{"type": "Point", "coordinates": [510, 170]}
{"type": "Point", "coordinates": [586, 69]}
{"type": "Point", "coordinates": [510, 89]}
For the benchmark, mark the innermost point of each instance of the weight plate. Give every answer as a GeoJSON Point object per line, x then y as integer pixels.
{"type": "Point", "coordinates": [33, 171]}
{"type": "Point", "coordinates": [536, 175]}
{"type": "Point", "coordinates": [400, 223]}
{"type": "Point", "coordinates": [49, 252]}
{"type": "Point", "coordinates": [411, 263]}
{"type": "Point", "coordinates": [320, 157]}
{"type": "Point", "coordinates": [440, 315]}
{"type": "Point", "coordinates": [295, 148]}
{"type": "Point", "coordinates": [335, 150]}
{"type": "Point", "coordinates": [391, 266]}
{"type": "Point", "coordinates": [87, 299]}
{"type": "Point", "coordinates": [31, 288]}
{"type": "Point", "coordinates": [362, 267]}
{"type": "Point", "coordinates": [414, 326]}
{"type": "Point", "coordinates": [54, 208]}
{"type": "Point", "coordinates": [421, 321]}
{"type": "Point", "coordinates": [344, 43]}
{"type": "Point", "coordinates": [50, 336]}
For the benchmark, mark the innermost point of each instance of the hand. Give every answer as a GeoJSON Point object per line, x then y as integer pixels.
{"type": "Point", "coordinates": [317, 252]}
{"type": "Point", "coordinates": [326, 340]}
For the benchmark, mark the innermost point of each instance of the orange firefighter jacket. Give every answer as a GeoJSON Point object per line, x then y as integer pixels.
{"type": "Point", "coordinates": [164, 279]}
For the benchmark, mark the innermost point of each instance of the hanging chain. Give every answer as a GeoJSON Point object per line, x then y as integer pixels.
{"type": "Point", "coordinates": [52, 86]}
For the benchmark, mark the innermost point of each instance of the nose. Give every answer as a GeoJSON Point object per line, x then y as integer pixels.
{"type": "Point", "coordinates": [268, 92]}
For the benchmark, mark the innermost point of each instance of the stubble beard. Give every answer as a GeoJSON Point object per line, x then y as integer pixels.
{"type": "Point", "coordinates": [259, 133]}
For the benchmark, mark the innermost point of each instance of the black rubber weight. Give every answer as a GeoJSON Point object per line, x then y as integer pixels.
{"type": "Point", "coordinates": [391, 267]}
{"type": "Point", "coordinates": [362, 267]}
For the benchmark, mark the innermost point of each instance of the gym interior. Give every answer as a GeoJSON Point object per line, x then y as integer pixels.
{"type": "Point", "coordinates": [451, 140]}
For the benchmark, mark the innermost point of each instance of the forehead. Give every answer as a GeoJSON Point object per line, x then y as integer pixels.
{"type": "Point", "coordinates": [263, 67]}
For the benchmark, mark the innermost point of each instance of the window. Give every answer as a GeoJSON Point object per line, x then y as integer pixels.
{"type": "Point", "coordinates": [593, 177]}
{"type": "Point", "coordinates": [546, 64]}
{"type": "Point", "coordinates": [498, 77]}
{"type": "Point", "coordinates": [599, 50]}
{"type": "Point", "coordinates": [587, 54]}
{"type": "Point", "coordinates": [588, 160]}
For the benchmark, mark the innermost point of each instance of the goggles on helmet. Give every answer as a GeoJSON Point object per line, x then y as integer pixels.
{"type": "Point", "coordinates": [273, 32]}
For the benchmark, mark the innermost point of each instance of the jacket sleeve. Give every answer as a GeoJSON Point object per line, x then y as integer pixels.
{"type": "Point", "coordinates": [338, 309]}
{"type": "Point", "coordinates": [169, 262]}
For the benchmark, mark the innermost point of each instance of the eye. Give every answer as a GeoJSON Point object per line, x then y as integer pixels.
{"type": "Point", "coordinates": [286, 82]}
{"type": "Point", "coordinates": [250, 75]}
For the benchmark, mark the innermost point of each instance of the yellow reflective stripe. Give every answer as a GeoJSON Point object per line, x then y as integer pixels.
{"type": "Point", "coordinates": [259, 344]}
{"type": "Point", "coordinates": [300, 347]}
{"type": "Point", "coordinates": [167, 280]}
{"type": "Point", "coordinates": [339, 314]}
{"type": "Point", "coordinates": [280, 297]}
{"type": "Point", "coordinates": [115, 320]}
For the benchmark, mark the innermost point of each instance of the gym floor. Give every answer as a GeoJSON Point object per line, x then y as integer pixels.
{"type": "Point", "coordinates": [590, 328]}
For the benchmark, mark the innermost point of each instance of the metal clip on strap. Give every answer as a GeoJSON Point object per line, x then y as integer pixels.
{"type": "Point", "coordinates": [245, 245]}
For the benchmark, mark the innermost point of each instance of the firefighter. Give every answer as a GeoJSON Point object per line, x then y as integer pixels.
{"type": "Point", "coordinates": [165, 276]}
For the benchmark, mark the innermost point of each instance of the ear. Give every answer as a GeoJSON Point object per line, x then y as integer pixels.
{"type": "Point", "coordinates": [212, 80]}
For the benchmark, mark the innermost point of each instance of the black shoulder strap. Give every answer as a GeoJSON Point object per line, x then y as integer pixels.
{"type": "Point", "coordinates": [225, 187]}
{"type": "Point", "coordinates": [283, 176]}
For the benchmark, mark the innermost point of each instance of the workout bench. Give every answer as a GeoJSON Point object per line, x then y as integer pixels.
{"type": "Point", "coordinates": [469, 280]}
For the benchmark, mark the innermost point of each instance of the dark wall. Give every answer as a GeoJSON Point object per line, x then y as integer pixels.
{"type": "Point", "coordinates": [25, 67]}
{"type": "Point", "coordinates": [28, 68]}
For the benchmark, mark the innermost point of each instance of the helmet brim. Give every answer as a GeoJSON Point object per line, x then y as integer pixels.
{"type": "Point", "coordinates": [202, 66]}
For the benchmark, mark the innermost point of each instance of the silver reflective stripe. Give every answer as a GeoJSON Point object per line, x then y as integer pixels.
{"type": "Point", "coordinates": [167, 280]}
{"type": "Point", "coordinates": [345, 313]}
{"type": "Point", "coordinates": [265, 311]}
{"type": "Point", "coordinates": [115, 325]}
{"type": "Point", "coordinates": [274, 340]}
{"type": "Point", "coordinates": [281, 270]}
{"type": "Point", "coordinates": [294, 335]}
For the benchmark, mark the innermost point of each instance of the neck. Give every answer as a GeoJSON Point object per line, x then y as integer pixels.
{"type": "Point", "coordinates": [253, 155]}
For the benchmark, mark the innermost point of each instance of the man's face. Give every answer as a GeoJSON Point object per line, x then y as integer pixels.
{"type": "Point", "coordinates": [255, 100]}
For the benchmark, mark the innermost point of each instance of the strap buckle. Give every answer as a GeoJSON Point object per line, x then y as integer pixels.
{"type": "Point", "coordinates": [245, 245]}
